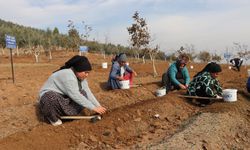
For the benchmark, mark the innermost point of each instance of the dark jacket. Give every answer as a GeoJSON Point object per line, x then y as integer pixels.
{"type": "Point", "coordinates": [237, 62]}
{"type": "Point", "coordinates": [204, 85]}
{"type": "Point", "coordinates": [248, 84]}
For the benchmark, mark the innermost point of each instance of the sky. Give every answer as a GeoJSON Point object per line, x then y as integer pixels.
{"type": "Point", "coordinates": [211, 25]}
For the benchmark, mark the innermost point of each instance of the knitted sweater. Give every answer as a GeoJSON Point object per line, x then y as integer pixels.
{"type": "Point", "coordinates": [65, 82]}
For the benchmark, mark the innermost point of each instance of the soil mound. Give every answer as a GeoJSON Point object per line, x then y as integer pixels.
{"type": "Point", "coordinates": [136, 119]}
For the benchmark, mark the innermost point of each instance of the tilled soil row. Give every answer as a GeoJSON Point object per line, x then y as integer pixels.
{"type": "Point", "coordinates": [132, 125]}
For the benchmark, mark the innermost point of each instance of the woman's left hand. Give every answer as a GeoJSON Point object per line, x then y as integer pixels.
{"type": "Point", "coordinates": [182, 86]}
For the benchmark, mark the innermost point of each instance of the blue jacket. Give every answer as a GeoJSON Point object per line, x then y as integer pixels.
{"type": "Point", "coordinates": [172, 71]}
{"type": "Point", "coordinates": [116, 71]}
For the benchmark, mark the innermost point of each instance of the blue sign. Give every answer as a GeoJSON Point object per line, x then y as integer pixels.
{"type": "Point", "coordinates": [84, 48]}
{"type": "Point", "coordinates": [227, 55]}
{"type": "Point", "coordinates": [10, 41]}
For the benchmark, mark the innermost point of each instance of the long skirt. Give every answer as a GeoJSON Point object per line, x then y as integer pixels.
{"type": "Point", "coordinates": [53, 105]}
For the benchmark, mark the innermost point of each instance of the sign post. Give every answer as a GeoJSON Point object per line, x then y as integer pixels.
{"type": "Point", "coordinates": [227, 56]}
{"type": "Point", "coordinates": [11, 44]}
{"type": "Point", "coordinates": [83, 49]}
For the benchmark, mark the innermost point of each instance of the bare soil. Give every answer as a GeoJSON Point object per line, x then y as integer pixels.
{"type": "Point", "coordinates": [130, 122]}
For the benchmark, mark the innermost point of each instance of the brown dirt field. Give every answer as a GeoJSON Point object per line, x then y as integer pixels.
{"type": "Point", "coordinates": [130, 121]}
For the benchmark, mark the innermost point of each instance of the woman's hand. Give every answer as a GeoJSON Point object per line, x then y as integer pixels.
{"type": "Point", "coordinates": [219, 97]}
{"type": "Point", "coordinates": [182, 86]}
{"type": "Point", "coordinates": [119, 78]}
{"type": "Point", "coordinates": [100, 110]}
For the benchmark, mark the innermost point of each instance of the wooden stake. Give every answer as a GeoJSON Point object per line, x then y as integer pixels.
{"type": "Point", "coordinates": [80, 117]}
{"type": "Point", "coordinates": [199, 97]}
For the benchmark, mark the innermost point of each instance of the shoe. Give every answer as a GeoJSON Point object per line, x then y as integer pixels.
{"type": "Point", "coordinates": [57, 123]}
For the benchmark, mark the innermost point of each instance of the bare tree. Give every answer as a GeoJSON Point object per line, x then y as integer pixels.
{"type": "Point", "coordinates": [190, 51]}
{"type": "Point", "coordinates": [74, 38]}
{"type": "Point", "coordinates": [204, 56]}
{"type": "Point", "coordinates": [245, 55]}
{"type": "Point", "coordinates": [216, 58]}
{"type": "Point", "coordinates": [36, 50]}
{"type": "Point", "coordinates": [152, 54]}
{"type": "Point", "coordinates": [48, 46]}
{"type": "Point", "coordinates": [105, 45]}
{"type": "Point", "coordinates": [86, 31]}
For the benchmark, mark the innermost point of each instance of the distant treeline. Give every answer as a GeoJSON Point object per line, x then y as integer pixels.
{"type": "Point", "coordinates": [28, 37]}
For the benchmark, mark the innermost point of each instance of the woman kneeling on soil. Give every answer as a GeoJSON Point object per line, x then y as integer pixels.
{"type": "Point", "coordinates": [205, 84]}
{"type": "Point", "coordinates": [120, 71]}
{"type": "Point", "coordinates": [177, 76]}
{"type": "Point", "coordinates": [66, 92]}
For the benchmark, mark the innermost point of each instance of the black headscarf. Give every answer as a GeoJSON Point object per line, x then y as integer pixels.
{"type": "Point", "coordinates": [212, 67]}
{"type": "Point", "coordinates": [78, 63]}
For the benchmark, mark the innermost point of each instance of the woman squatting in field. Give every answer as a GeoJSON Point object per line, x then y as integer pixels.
{"type": "Point", "coordinates": [66, 92]}
{"type": "Point", "coordinates": [177, 76]}
{"type": "Point", "coordinates": [205, 83]}
{"type": "Point", "coordinates": [120, 71]}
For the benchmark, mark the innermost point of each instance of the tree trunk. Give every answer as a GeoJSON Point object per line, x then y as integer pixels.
{"type": "Point", "coordinates": [138, 56]}
{"type": "Point", "coordinates": [17, 51]}
{"type": "Point", "coordinates": [143, 59]}
{"type": "Point", "coordinates": [151, 57]}
{"type": "Point", "coordinates": [50, 55]}
{"type": "Point", "coordinates": [104, 56]}
{"type": "Point", "coordinates": [154, 68]}
{"type": "Point", "coordinates": [36, 56]}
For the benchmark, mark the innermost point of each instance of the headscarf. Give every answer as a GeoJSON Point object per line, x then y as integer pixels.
{"type": "Point", "coordinates": [122, 57]}
{"type": "Point", "coordinates": [182, 59]}
{"type": "Point", "coordinates": [78, 63]}
{"type": "Point", "coordinates": [212, 67]}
